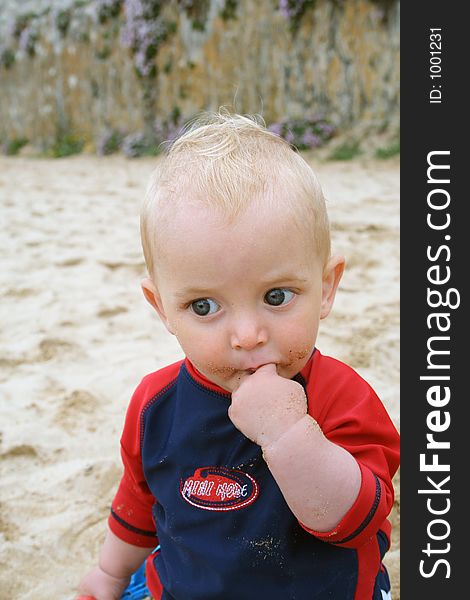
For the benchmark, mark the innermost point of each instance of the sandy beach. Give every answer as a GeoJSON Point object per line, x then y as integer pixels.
{"type": "Point", "coordinates": [77, 336]}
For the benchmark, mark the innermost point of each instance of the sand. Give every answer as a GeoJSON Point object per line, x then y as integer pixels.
{"type": "Point", "coordinates": [77, 336]}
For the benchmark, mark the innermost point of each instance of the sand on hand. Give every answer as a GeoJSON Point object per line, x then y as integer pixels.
{"type": "Point", "coordinates": [77, 336]}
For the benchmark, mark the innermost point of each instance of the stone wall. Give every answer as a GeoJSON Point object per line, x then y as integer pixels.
{"type": "Point", "coordinates": [342, 62]}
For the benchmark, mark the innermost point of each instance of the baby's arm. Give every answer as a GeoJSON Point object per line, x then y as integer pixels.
{"type": "Point", "coordinates": [118, 560]}
{"type": "Point", "coordinates": [320, 480]}
{"type": "Point", "coordinates": [320, 491]}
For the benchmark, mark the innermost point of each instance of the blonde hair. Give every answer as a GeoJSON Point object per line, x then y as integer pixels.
{"type": "Point", "coordinates": [226, 162]}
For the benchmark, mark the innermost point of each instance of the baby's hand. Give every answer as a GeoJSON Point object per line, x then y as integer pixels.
{"type": "Point", "coordinates": [101, 586]}
{"type": "Point", "coordinates": [265, 405]}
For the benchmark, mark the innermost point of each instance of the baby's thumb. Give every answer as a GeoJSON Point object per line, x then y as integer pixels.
{"type": "Point", "coordinates": [267, 369]}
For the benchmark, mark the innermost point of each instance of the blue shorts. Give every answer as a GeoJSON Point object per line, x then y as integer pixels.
{"type": "Point", "coordinates": [382, 586]}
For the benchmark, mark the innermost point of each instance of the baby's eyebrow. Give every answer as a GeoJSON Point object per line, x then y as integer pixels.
{"type": "Point", "coordinates": [276, 280]}
{"type": "Point", "coordinates": [287, 279]}
{"type": "Point", "coordinates": [193, 292]}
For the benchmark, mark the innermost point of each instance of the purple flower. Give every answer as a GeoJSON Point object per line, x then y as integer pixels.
{"type": "Point", "coordinates": [303, 132]}
{"type": "Point", "coordinates": [310, 140]}
{"type": "Point", "coordinates": [275, 128]}
{"type": "Point", "coordinates": [143, 32]}
{"type": "Point", "coordinates": [11, 28]}
{"type": "Point", "coordinates": [109, 141]}
{"type": "Point", "coordinates": [290, 9]}
{"type": "Point", "coordinates": [27, 40]}
{"type": "Point", "coordinates": [284, 8]}
{"type": "Point", "coordinates": [167, 130]}
{"type": "Point", "coordinates": [141, 63]}
{"type": "Point", "coordinates": [24, 38]}
{"type": "Point", "coordinates": [325, 129]}
{"type": "Point", "coordinates": [133, 144]}
{"type": "Point", "coordinates": [289, 137]}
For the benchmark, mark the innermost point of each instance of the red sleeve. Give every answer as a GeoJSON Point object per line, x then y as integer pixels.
{"type": "Point", "coordinates": [352, 416]}
{"type": "Point", "coordinates": [131, 517]}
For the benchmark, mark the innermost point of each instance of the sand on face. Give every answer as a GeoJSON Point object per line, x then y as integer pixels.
{"type": "Point", "coordinates": [77, 336]}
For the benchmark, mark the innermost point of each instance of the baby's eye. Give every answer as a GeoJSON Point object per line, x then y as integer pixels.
{"type": "Point", "coordinates": [278, 296]}
{"type": "Point", "coordinates": [204, 306]}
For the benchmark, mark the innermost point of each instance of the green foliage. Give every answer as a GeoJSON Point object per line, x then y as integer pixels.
{"type": "Point", "coordinates": [229, 11]}
{"type": "Point", "coordinates": [346, 151]}
{"type": "Point", "coordinates": [104, 52]}
{"type": "Point", "coordinates": [168, 66]}
{"type": "Point", "coordinates": [12, 147]}
{"type": "Point", "coordinates": [62, 21]}
{"type": "Point", "coordinates": [21, 23]}
{"type": "Point", "coordinates": [294, 11]}
{"type": "Point", "coordinates": [304, 133]}
{"type": "Point", "coordinates": [109, 142]}
{"type": "Point", "coordinates": [197, 11]}
{"type": "Point", "coordinates": [388, 151]}
{"type": "Point", "coordinates": [198, 25]}
{"type": "Point", "coordinates": [23, 36]}
{"type": "Point", "coordinates": [65, 144]}
{"type": "Point", "coordinates": [7, 58]}
{"type": "Point", "coordinates": [144, 31]}
{"type": "Point", "coordinates": [108, 10]}
{"type": "Point", "coordinates": [137, 144]}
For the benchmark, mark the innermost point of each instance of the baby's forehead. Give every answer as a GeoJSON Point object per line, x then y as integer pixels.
{"type": "Point", "coordinates": [259, 247]}
{"type": "Point", "coordinates": [259, 214]}
{"type": "Point", "coordinates": [258, 231]}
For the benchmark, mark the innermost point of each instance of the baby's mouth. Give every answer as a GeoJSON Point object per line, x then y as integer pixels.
{"type": "Point", "coordinates": [227, 372]}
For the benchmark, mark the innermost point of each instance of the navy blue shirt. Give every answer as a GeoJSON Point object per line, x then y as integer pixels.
{"type": "Point", "coordinates": [223, 527]}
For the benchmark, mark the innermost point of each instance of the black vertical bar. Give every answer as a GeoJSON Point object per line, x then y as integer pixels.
{"type": "Point", "coordinates": [434, 324]}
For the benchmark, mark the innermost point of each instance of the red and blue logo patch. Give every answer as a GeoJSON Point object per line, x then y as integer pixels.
{"type": "Point", "coordinates": [219, 488]}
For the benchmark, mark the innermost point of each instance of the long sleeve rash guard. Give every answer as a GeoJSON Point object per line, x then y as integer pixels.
{"type": "Point", "coordinates": [197, 488]}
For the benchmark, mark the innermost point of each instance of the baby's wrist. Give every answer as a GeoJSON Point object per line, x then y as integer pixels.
{"type": "Point", "coordinates": [119, 577]}
{"type": "Point", "coordinates": [289, 435]}
{"type": "Point", "coordinates": [99, 583]}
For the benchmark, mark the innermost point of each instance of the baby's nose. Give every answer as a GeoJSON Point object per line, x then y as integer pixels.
{"type": "Point", "coordinates": [248, 334]}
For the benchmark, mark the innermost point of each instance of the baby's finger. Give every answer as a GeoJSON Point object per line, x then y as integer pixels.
{"type": "Point", "coordinates": [240, 379]}
{"type": "Point", "coordinates": [268, 369]}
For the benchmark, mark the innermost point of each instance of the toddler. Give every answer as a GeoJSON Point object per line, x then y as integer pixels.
{"type": "Point", "coordinates": [256, 467]}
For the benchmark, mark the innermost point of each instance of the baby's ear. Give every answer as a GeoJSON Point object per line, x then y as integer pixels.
{"type": "Point", "coordinates": [154, 299]}
{"type": "Point", "coordinates": [332, 274]}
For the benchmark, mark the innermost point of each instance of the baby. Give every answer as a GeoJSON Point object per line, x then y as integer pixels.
{"type": "Point", "coordinates": [256, 467]}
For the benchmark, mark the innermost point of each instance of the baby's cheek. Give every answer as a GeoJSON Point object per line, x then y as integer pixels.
{"type": "Point", "coordinates": [296, 355]}
{"type": "Point", "coordinates": [195, 345]}
{"type": "Point", "coordinates": [298, 345]}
